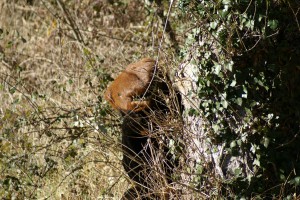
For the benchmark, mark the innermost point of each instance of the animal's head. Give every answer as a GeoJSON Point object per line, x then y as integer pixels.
{"type": "Point", "coordinates": [131, 83]}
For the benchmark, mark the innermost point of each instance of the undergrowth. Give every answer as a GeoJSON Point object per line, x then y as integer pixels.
{"type": "Point", "coordinates": [60, 140]}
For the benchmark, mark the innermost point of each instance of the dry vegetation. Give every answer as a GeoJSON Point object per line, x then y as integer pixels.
{"type": "Point", "coordinates": [238, 136]}
{"type": "Point", "coordinates": [58, 139]}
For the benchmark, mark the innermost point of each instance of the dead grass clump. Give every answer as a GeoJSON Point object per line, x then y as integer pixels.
{"type": "Point", "coordinates": [57, 139]}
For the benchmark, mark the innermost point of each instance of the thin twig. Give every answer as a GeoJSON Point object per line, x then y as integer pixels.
{"type": "Point", "coordinates": [72, 23]}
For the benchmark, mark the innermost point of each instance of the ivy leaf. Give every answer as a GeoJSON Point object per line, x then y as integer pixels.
{"type": "Point", "coordinates": [229, 66]}
{"type": "Point", "coordinates": [217, 68]}
{"type": "Point", "coordinates": [216, 128]}
{"type": "Point", "coordinates": [233, 83]}
{"type": "Point", "coordinates": [224, 104]}
{"type": "Point", "coordinates": [266, 142]}
{"type": "Point", "coordinates": [297, 181]}
{"type": "Point", "coordinates": [245, 95]}
{"type": "Point", "coordinates": [256, 162]}
{"type": "Point", "coordinates": [249, 24]}
{"type": "Point", "coordinates": [232, 144]}
{"type": "Point", "coordinates": [237, 172]}
{"type": "Point", "coordinates": [273, 24]}
{"type": "Point", "coordinates": [226, 2]}
{"type": "Point", "coordinates": [213, 25]}
{"type": "Point", "coordinates": [239, 101]}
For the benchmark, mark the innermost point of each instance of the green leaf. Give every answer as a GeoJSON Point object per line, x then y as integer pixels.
{"type": "Point", "coordinates": [297, 181]}
{"type": "Point", "coordinates": [237, 172]}
{"type": "Point", "coordinates": [245, 95]}
{"type": "Point", "coordinates": [273, 24]}
{"type": "Point", "coordinates": [239, 142]}
{"type": "Point", "coordinates": [216, 127]}
{"type": "Point", "coordinates": [12, 90]}
{"type": "Point", "coordinates": [266, 142]}
{"type": "Point", "coordinates": [282, 177]}
{"type": "Point", "coordinates": [256, 162]}
{"type": "Point", "coordinates": [239, 101]}
{"type": "Point", "coordinates": [249, 24]}
{"type": "Point", "coordinates": [224, 103]}
{"type": "Point", "coordinates": [226, 2]}
{"type": "Point", "coordinates": [213, 25]}
{"type": "Point", "coordinates": [260, 17]}
{"type": "Point", "coordinates": [217, 68]}
{"type": "Point", "coordinates": [229, 66]}
{"type": "Point", "coordinates": [233, 83]}
{"type": "Point", "coordinates": [233, 144]}
{"type": "Point", "coordinates": [9, 44]}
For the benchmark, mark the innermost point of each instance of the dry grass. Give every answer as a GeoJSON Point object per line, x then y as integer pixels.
{"type": "Point", "coordinates": [57, 138]}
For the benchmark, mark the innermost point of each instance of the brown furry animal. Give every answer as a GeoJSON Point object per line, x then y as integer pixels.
{"type": "Point", "coordinates": [132, 82]}
{"type": "Point", "coordinates": [139, 145]}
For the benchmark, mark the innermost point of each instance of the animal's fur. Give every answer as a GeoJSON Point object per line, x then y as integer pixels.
{"type": "Point", "coordinates": [132, 82]}
{"type": "Point", "coordinates": [138, 118]}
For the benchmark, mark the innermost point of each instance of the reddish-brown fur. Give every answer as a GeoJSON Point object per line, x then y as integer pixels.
{"type": "Point", "coordinates": [132, 82]}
